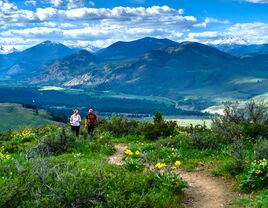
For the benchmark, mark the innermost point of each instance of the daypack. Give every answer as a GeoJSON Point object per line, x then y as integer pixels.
{"type": "Point", "coordinates": [91, 118]}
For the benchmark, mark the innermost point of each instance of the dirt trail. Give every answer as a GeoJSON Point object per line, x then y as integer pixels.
{"type": "Point", "coordinates": [204, 191]}
{"type": "Point", "coordinates": [117, 157]}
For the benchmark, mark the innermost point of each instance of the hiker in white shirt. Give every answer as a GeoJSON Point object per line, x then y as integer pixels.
{"type": "Point", "coordinates": [75, 122]}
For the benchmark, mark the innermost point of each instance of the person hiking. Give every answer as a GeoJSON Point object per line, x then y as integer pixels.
{"type": "Point", "coordinates": [90, 121]}
{"type": "Point", "coordinates": [75, 122]}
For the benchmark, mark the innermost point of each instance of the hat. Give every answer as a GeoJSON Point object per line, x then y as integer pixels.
{"type": "Point", "coordinates": [91, 110]}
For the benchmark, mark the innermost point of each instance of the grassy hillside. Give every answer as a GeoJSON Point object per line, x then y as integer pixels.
{"type": "Point", "coordinates": [15, 116]}
{"type": "Point", "coordinates": [50, 167]}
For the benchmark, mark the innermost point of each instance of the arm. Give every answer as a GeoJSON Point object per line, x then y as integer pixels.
{"type": "Point", "coordinates": [71, 119]}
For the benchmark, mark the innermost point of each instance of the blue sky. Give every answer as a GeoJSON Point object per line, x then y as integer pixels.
{"type": "Point", "coordinates": [24, 23]}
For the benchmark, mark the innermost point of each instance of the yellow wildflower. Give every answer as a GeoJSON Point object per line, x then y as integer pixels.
{"type": "Point", "coordinates": [8, 157]}
{"type": "Point", "coordinates": [257, 171]}
{"type": "Point", "coordinates": [128, 152]}
{"type": "Point", "coordinates": [178, 163]}
{"type": "Point", "coordinates": [173, 167]}
{"type": "Point", "coordinates": [137, 152]}
{"type": "Point", "coordinates": [160, 165]}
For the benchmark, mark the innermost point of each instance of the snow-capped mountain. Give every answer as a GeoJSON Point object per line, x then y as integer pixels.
{"type": "Point", "coordinates": [230, 41]}
{"type": "Point", "coordinates": [238, 46]}
{"type": "Point", "coordinates": [7, 49]}
{"type": "Point", "coordinates": [88, 47]}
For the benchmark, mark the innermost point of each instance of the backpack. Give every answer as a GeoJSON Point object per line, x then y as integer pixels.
{"type": "Point", "coordinates": [91, 118]}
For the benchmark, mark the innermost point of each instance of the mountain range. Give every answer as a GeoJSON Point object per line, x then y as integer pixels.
{"type": "Point", "coordinates": [147, 66]}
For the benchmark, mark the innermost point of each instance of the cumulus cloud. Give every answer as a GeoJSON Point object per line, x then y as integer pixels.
{"type": "Point", "coordinates": [57, 3]}
{"type": "Point", "coordinates": [69, 21]}
{"type": "Point", "coordinates": [254, 32]}
{"type": "Point", "coordinates": [99, 25]}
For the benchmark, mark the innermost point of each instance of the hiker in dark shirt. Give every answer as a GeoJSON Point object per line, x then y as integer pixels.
{"type": "Point", "coordinates": [90, 121]}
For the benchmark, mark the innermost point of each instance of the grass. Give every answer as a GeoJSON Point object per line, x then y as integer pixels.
{"type": "Point", "coordinates": [34, 173]}
{"type": "Point", "coordinates": [15, 116]}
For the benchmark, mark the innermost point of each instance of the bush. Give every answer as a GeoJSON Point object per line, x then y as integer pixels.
{"type": "Point", "coordinates": [238, 153]}
{"type": "Point", "coordinates": [171, 181]}
{"type": "Point", "coordinates": [133, 164]}
{"type": "Point", "coordinates": [203, 138]}
{"type": "Point", "coordinates": [54, 143]}
{"type": "Point", "coordinates": [249, 122]}
{"type": "Point", "coordinates": [260, 149]}
{"type": "Point", "coordinates": [256, 176]}
{"type": "Point", "coordinates": [120, 125]}
{"type": "Point", "coordinates": [44, 182]}
{"type": "Point", "coordinates": [159, 128]}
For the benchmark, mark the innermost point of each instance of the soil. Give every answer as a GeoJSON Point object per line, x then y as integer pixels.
{"type": "Point", "coordinates": [205, 191]}
{"type": "Point", "coordinates": [117, 157]}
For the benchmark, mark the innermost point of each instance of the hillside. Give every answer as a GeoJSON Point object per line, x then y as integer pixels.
{"type": "Point", "coordinates": [186, 72]}
{"type": "Point", "coordinates": [15, 116]}
{"type": "Point", "coordinates": [19, 65]}
{"type": "Point", "coordinates": [128, 163]}
{"type": "Point", "coordinates": [160, 72]}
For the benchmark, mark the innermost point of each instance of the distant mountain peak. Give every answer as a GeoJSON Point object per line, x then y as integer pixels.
{"type": "Point", "coordinates": [7, 50]}
{"type": "Point", "coordinates": [135, 48]}
{"type": "Point", "coordinates": [49, 42]}
{"type": "Point", "coordinates": [231, 41]}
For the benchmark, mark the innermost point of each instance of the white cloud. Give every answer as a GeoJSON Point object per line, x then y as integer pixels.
{"type": "Point", "coordinates": [208, 34]}
{"type": "Point", "coordinates": [36, 32]}
{"type": "Point", "coordinates": [254, 32]}
{"type": "Point", "coordinates": [73, 4]}
{"type": "Point", "coordinates": [258, 1]}
{"type": "Point", "coordinates": [57, 3]}
{"type": "Point", "coordinates": [214, 20]}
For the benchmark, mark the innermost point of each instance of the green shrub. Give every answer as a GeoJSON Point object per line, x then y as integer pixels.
{"type": "Point", "coordinates": [237, 123]}
{"type": "Point", "coordinates": [251, 201]}
{"type": "Point", "coordinates": [238, 154]}
{"type": "Point", "coordinates": [54, 143]}
{"type": "Point", "coordinates": [203, 138]}
{"type": "Point", "coordinates": [133, 164]}
{"type": "Point", "coordinates": [256, 176]}
{"type": "Point", "coordinates": [120, 125]}
{"type": "Point", "coordinates": [159, 128]}
{"type": "Point", "coordinates": [260, 149]}
{"type": "Point", "coordinates": [171, 181]}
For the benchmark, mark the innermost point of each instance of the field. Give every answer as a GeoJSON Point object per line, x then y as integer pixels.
{"type": "Point", "coordinates": [188, 121]}
{"type": "Point", "coordinates": [15, 116]}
